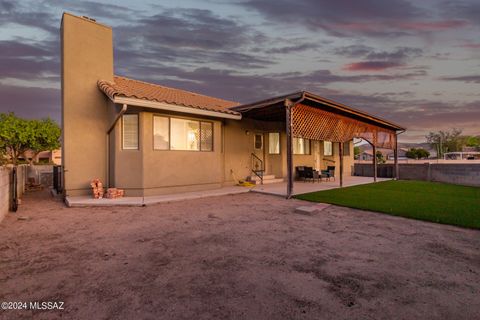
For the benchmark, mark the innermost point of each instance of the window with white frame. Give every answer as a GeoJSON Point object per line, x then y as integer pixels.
{"type": "Point", "coordinates": [327, 148]}
{"type": "Point", "coordinates": [130, 131]}
{"type": "Point", "coordinates": [301, 146]}
{"type": "Point", "coordinates": [274, 143]}
{"type": "Point", "coordinates": [182, 134]}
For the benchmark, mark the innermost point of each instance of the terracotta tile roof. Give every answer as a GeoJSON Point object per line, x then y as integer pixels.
{"type": "Point", "coordinates": [129, 88]}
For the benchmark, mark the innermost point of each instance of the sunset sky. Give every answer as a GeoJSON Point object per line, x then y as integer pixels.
{"type": "Point", "coordinates": [416, 63]}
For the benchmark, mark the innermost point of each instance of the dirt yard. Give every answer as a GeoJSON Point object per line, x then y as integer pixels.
{"type": "Point", "coordinates": [245, 256]}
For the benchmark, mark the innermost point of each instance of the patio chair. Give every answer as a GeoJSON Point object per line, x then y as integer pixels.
{"type": "Point", "coordinates": [331, 172]}
{"type": "Point", "coordinates": [310, 174]}
{"type": "Point", "coordinates": [300, 172]}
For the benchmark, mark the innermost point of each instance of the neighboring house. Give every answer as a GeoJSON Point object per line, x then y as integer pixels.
{"type": "Point", "coordinates": [388, 154]}
{"type": "Point", "coordinates": [150, 139]}
{"type": "Point", "coordinates": [467, 155]}
{"type": "Point", "coordinates": [44, 157]}
{"type": "Point", "coordinates": [402, 154]}
{"type": "Point", "coordinates": [366, 155]}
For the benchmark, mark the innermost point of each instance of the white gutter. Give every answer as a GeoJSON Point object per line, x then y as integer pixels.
{"type": "Point", "coordinates": [174, 108]}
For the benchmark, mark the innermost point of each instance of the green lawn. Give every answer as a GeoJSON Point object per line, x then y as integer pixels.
{"type": "Point", "coordinates": [429, 201]}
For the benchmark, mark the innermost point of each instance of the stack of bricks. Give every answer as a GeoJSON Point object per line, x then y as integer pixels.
{"type": "Point", "coordinates": [114, 193]}
{"type": "Point", "coordinates": [97, 188]}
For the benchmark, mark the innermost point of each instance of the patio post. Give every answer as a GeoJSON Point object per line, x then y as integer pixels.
{"type": "Point", "coordinates": [288, 110]}
{"type": "Point", "coordinates": [340, 151]}
{"type": "Point", "coordinates": [395, 154]}
{"type": "Point", "coordinates": [374, 163]}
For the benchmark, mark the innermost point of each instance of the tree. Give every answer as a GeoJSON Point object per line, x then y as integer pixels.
{"type": "Point", "coordinates": [43, 135]}
{"type": "Point", "coordinates": [419, 153]}
{"type": "Point", "coordinates": [472, 141]}
{"type": "Point", "coordinates": [13, 136]}
{"type": "Point", "coordinates": [445, 141]}
{"type": "Point", "coordinates": [356, 152]}
{"type": "Point", "coordinates": [17, 136]}
{"type": "Point", "coordinates": [380, 158]}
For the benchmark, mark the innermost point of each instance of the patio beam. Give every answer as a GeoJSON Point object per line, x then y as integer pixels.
{"type": "Point", "coordinates": [288, 114]}
{"type": "Point", "coordinates": [374, 163]}
{"type": "Point", "coordinates": [395, 155]}
{"type": "Point", "coordinates": [340, 151]}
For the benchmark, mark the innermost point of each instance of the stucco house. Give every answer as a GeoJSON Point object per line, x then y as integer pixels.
{"type": "Point", "coordinates": [149, 139]}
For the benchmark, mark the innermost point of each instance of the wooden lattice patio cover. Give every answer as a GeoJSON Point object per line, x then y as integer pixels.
{"type": "Point", "coordinates": [317, 124]}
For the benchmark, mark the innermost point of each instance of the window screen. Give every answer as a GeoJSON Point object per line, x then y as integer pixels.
{"type": "Point", "coordinates": [206, 136]}
{"type": "Point", "coordinates": [130, 131]}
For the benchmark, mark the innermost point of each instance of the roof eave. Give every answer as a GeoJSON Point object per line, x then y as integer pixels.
{"type": "Point", "coordinates": [175, 108]}
{"type": "Point", "coordinates": [312, 97]}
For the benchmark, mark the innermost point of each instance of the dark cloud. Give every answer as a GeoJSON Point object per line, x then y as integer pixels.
{"type": "Point", "coordinates": [374, 18]}
{"type": "Point", "coordinates": [30, 102]}
{"type": "Point", "coordinates": [29, 61]}
{"type": "Point", "coordinates": [468, 10]}
{"type": "Point", "coordinates": [399, 54]}
{"type": "Point", "coordinates": [354, 51]}
{"type": "Point", "coordinates": [471, 79]}
{"type": "Point", "coordinates": [189, 36]}
{"type": "Point", "coordinates": [94, 9]}
{"type": "Point", "coordinates": [377, 60]}
{"type": "Point", "coordinates": [372, 65]}
{"type": "Point", "coordinates": [228, 57]}
{"type": "Point", "coordinates": [293, 48]}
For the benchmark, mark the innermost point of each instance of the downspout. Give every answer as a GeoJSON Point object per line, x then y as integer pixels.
{"type": "Point", "coordinates": [397, 168]}
{"type": "Point", "coordinates": [112, 126]}
{"type": "Point", "coordinates": [288, 107]}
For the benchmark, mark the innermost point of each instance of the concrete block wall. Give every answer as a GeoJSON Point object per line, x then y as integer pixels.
{"type": "Point", "coordinates": [4, 192]}
{"type": "Point", "coordinates": [464, 174]}
{"type": "Point", "coordinates": [467, 174]}
{"type": "Point", "coordinates": [6, 187]}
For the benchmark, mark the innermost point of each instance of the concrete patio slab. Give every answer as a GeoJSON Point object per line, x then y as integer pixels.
{"type": "Point", "coordinates": [279, 189]}
{"type": "Point", "coordinates": [300, 187]}
{"type": "Point", "coordinates": [88, 201]}
{"type": "Point", "coordinates": [309, 210]}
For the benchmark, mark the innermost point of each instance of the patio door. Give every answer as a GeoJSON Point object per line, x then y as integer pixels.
{"type": "Point", "coordinates": [258, 151]}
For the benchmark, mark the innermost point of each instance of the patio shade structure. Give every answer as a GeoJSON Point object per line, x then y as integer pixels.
{"type": "Point", "coordinates": [310, 116]}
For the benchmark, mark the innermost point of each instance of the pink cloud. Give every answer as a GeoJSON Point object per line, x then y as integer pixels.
{"type": "Point", "coordinates": [372, 27]}
{"type": "Point", "coordinates": [434, 25]}
{"type": "Point", "coordinates": [371, 65]}
{"type": "Point", "coordinates": [471, 45]}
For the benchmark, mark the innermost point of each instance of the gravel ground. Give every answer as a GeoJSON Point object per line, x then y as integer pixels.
{"type": "Point", "coordinates": [247, 256]}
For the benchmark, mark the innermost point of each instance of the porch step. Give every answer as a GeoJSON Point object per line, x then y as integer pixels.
{"type": "Point", "coordinates": [265, 177]}
{"type": "Point", "coordinates": [269, 178]}
{"type": "Point", "coordinates": [271, 181]}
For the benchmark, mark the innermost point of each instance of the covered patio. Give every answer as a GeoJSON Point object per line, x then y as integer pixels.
{"type": "Point", "coordinates": [309, 116]}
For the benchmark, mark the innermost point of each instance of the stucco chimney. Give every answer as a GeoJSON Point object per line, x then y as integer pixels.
{"type": "Point", "coordinates": [87, 56]}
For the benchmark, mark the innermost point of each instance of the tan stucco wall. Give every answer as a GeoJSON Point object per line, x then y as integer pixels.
{"type": "Point", "coordinates": [126, 166]}
{"type": "Point", "coordinates": [239, 145]}
{"type": "Point", "coordinates": [87, 56]}
{"type": "Point", "coordinates": [170, 171]}
{"type": "Point", "coordinates": [147, 171]}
